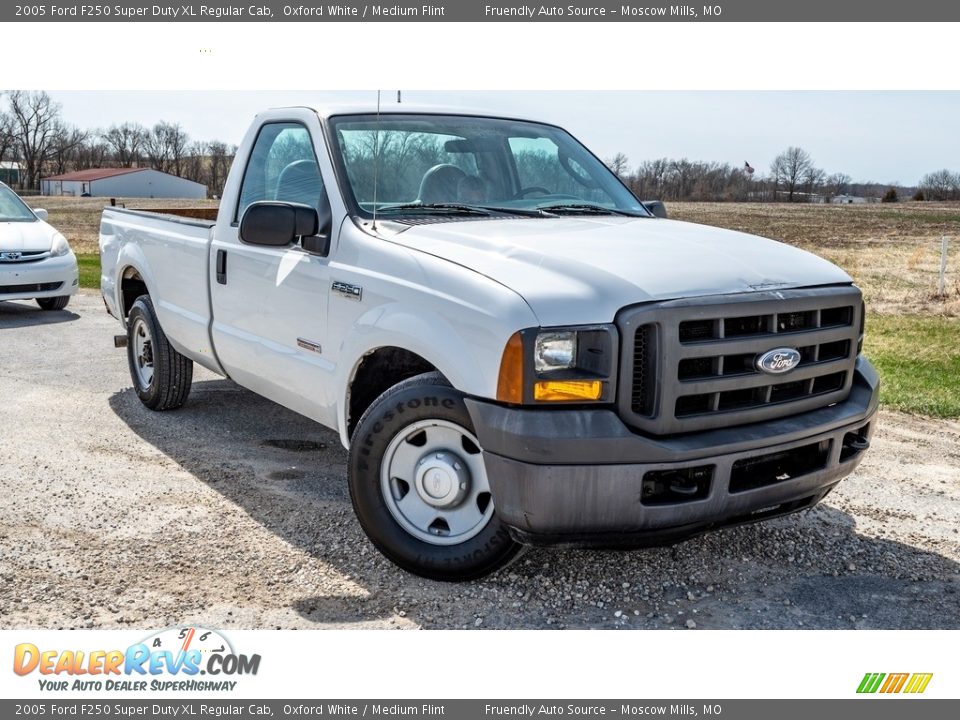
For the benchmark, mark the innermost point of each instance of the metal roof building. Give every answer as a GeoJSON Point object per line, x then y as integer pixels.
{"type": "Point", "coordinates": [122, 182]}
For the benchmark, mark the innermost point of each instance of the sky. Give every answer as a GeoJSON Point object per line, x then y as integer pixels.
{"type": "Point", "coordinates": [888, 137]}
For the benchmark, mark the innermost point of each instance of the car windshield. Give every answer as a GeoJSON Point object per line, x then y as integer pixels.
{"type": "Point", "coordinates": [405, 165]}
{"type": "Point", "coordinates": [12, 208]}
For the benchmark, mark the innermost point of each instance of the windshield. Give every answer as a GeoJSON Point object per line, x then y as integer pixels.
{"type": "Point", "coordinates": [12, 208]}
{"type": "Point", "coordinates": [451, 162]}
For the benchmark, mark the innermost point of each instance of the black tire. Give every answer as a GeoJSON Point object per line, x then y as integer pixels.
{"type": "Point", "coordinates": [172, 374]}
{"type": "Point", "coordinates": [53, 303]}
{"type": "Point", "coordinates": [424, 397]}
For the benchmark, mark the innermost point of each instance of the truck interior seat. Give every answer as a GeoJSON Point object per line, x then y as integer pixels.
{"type": "Point", "coordinates": [440, 183]}
{"type": "Point", "coordinates": [300, 182]}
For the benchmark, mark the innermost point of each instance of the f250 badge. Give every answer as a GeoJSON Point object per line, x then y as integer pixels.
{"type": "Point", "coordinates": [778, 361]}
{"type": "Point", "coordinates": [354, 292]}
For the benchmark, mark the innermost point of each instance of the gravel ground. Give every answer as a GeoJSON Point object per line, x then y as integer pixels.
{"type": "Point", "coordinates": [234, 512]}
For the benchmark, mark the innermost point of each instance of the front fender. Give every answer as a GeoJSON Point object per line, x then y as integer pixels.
{"type": "Point", "coordinates": [467, 354]}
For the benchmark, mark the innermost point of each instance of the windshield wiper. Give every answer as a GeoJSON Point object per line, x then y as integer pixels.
{"type": "Point", "coordinates": [584, 209]}
{"type": "Point", "coordinates": [450, 208]}
{"type": "Point", "coordinates": [526, 212]}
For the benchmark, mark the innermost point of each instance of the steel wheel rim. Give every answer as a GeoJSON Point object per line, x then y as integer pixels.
{"type": "Point", "coordinates": [422, 485]}
{"type": "Point", "coordinates": [142, 354]}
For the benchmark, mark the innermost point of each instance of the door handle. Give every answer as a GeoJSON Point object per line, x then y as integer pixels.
{"type": "Point", "coordinates": [222, 267]}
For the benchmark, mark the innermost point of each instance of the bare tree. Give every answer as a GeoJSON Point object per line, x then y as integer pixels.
{"type": "Point", "coordinates": [93, 152]}
{"type": "Point", "coordinates": [221, 157]}
{"type": "Point", "coordinates": [792, 169]}
{"type": "Point", "coordinates": [36, 124]}
{"type": "Point", "coordinates": [619, 164]}
{"type": "Point", "coordinates": [837, 183]}
{"type": "Point", "coordinates": [166, 147]}
{"type": "Point", "coordinates": [63, 148]}
{"type": "Point", "coordinates": [126, 143]}
{"type": "Point", "coordinates": [941, 185]}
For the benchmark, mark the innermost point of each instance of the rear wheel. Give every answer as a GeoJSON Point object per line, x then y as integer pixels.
{"type": "Point", "coordinates": [161, 376]}
{"type": "Point", "coordinates": [53, 303]}
{"type": "Point", "coordinates": [419, 485]}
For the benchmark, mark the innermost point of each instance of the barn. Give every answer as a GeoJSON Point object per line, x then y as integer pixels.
{"type": "Point", "coordinates": [848, 200]}
{"type": "Point", "coordinates": [122, 182]}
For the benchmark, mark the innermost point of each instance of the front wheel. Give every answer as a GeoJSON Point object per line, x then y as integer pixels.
{"type": "Point", "coordinates": [161, 376]}
{"type": "Point", "coordinates": [53, 303]}
{"type": "Point", "coordinates": [419, 485]}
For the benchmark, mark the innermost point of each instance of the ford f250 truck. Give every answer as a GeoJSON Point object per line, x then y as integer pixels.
{"type": "Point", "coordinates": [514, 348]}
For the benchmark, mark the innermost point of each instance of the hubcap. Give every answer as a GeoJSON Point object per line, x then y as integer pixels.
{"type": "Point", "coordinates": [442, 479]}
{"type": "Point", "coordinates": [142, 354]}
{"type": "Point", "coordinates": [434, 482]}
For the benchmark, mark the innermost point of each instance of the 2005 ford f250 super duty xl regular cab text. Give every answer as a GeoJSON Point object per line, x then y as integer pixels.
{"type": "Point", "coordinates": [514, 348]}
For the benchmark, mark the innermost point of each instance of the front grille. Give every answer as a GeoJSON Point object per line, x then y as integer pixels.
{"type": "Point", "coordinates": [25, 256]}
{"type": "Point", "coordinates": [32, 287]}
{"type": "Point", "coordinates": [643, 390]}
{"type": "Point", "coordinates": [691, 364]}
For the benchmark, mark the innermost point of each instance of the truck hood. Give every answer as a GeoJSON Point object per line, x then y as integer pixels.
{"type": "Point", "coordinates": [26, 236]}
{"type": "Point", "coordinates": [584, 269]}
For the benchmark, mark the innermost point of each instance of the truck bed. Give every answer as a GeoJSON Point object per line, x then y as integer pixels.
{"type": "Point", "coordinates": [170, 247]}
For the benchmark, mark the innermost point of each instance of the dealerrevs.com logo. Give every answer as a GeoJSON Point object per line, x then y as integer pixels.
{"type": "Point", "coordinates": [890, 683]}
{"type": "Point", "coordinates": [173, 659]}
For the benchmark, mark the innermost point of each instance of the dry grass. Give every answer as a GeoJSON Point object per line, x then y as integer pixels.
{"type": "Point", "coordinates": [891, 250]}
{"type": "Point", "coordinates": [79, 218]}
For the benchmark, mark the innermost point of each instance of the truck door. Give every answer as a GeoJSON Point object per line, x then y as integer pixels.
{"type": "Point", "coordinates": [270, 304]}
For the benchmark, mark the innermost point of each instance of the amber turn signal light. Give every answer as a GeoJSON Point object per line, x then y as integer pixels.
{"type": "Point", "coordinates": [560, 390]}
{"type": "Point", "coordinates": [510, 382]}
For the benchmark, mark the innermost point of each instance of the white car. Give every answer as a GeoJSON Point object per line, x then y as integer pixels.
{"type": "Point", "coordinates": [36, 262]}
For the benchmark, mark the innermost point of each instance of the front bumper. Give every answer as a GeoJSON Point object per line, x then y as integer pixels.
{"type": "Point", "coordinates": [577, 476]}
{"type": "Point", "coordinates": [50, 277]}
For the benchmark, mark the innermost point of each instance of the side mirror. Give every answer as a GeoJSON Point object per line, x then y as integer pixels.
{"type": "Point", "coordinates": [275, 224]}
{"type": "Point", "coordinates": [656, 207]}
{"type": "Point", "coordinates": [41, 214]}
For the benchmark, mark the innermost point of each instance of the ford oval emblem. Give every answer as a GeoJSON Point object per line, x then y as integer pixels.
{"type": "Point", "coordinates": [778, 361]}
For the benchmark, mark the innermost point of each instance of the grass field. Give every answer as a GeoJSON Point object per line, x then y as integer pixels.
{"type": "Point", "coordinates": [892, 251]}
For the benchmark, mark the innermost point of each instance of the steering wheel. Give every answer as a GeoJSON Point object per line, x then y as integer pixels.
{"type": "Point", "coordinates": [523, 192]}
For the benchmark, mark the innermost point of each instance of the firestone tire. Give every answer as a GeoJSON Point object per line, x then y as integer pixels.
{"type": "Point", "coordinates": [161, 376]}
{"type": "Point", "coordinates": [407, 466]}
{"type": "Point", "coordinates": [53, 303]}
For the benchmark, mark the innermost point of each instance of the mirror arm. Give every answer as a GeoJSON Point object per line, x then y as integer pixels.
{"type": "Point", "coordinates": [315, 244]}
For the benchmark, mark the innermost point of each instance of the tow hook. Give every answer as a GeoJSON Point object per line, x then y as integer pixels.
{"type": "Point", "coordinates": [857, 443]}
{"type": "Point", "coordinates": [681, 486]}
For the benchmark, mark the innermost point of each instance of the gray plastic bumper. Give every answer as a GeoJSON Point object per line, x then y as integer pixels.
{"type": "Point", "coordinates": [576, 476]}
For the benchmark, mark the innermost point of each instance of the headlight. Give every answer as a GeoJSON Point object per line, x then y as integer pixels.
{"type": "Point", "coordinates": [559, 365]}
{"type": "Point", "coordinates": [60, 246]}
{"type": "Point", "coordinates": [555, 351]}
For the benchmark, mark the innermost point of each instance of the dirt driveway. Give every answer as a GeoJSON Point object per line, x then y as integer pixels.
{"type": "Point", "coordinates": [234, 512]}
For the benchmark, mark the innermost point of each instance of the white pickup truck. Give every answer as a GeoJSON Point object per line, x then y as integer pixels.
{"type": "Point", "coordinates": [514, 348]}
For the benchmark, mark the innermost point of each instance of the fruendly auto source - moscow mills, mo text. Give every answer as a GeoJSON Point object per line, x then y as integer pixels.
{"type": "Point", "coordinates": [600, 11]}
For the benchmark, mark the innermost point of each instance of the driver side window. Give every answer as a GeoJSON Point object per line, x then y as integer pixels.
{"type": "Point", "coordinates": [282, 167]}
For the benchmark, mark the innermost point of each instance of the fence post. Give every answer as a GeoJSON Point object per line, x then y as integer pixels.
{"type": "Point", "coordinates": [944, 244]}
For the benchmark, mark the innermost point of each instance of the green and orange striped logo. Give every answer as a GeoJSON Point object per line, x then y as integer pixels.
{"type": "Point", "coordinates": [913, 683]}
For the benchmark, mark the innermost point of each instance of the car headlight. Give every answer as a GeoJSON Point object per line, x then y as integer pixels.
{"type": "Point", "coordinates": [60, 247]}
{"type": "Point", "coordinates": [555, 351]}
{"type": "Point", "coordinates": [558, 365]}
